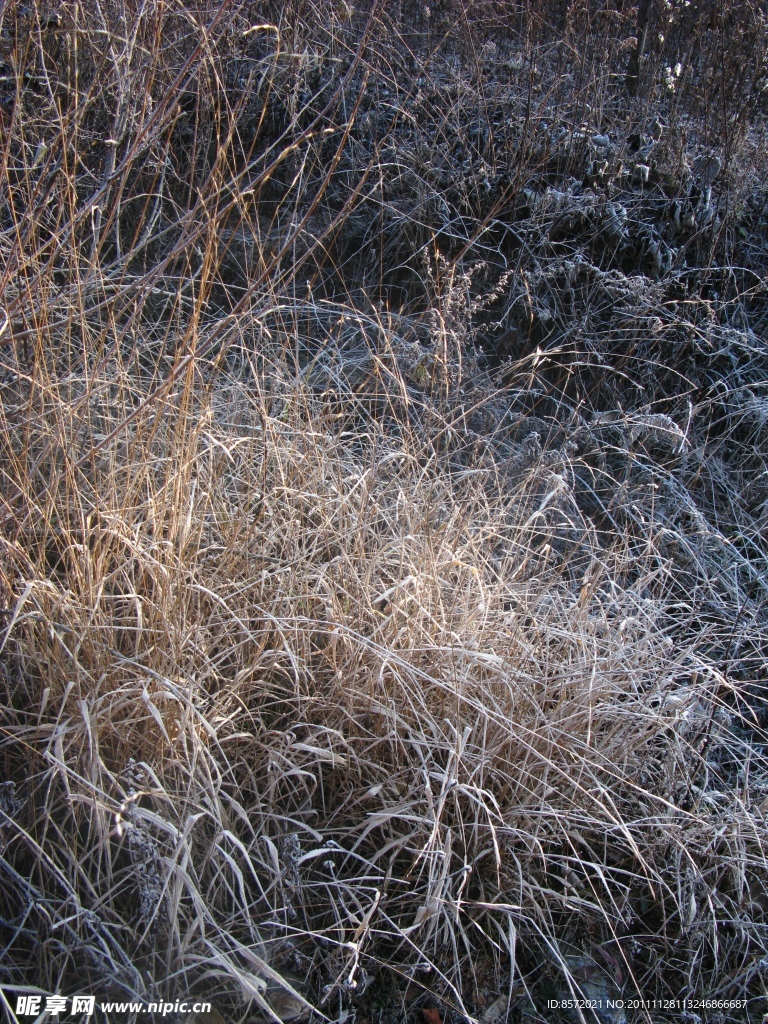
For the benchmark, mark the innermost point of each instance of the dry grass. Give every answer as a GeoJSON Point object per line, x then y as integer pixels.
{"type": "Point", "coordinates": [343, 663]}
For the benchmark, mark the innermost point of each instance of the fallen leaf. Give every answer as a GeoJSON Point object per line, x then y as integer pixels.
{"type": "Point", "coordinates": [286, 1006]}
{"type": "Point", "coordinates": [495, 1011]}
{"type": "Point", "coordinates": [208, 1017]}
{"type": "Point", "coordinates": [431, 1015]}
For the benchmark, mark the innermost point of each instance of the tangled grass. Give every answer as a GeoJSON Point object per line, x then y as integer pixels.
{"type": "Point", "coordinates": [383, 547]}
